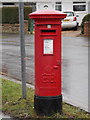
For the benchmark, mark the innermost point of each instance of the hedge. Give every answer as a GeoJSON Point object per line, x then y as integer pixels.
{"type": "Point", "coordinates": [10, 15]}
{"type": "Point", "coordinates": [85, 19]}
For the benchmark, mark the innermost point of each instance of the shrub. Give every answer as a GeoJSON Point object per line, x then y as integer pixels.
{"type": "Point", "coordinates": [10, 15]}
{"type": "Point", "coordinates": [85, 19]}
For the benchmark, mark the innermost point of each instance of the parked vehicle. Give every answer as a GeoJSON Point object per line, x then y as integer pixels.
{"type": "Point", "coordinates": [70, 21]}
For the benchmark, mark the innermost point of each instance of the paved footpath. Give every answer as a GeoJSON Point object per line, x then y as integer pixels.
{"type": "Point", "coordinates": [2, 116]}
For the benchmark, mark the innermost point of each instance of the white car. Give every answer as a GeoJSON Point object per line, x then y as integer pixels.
{"type": "Point", "coordinates": [70, 21]}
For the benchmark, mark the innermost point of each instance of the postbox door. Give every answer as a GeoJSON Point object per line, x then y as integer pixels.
{"type": "Point", "coordinates": [48, 67]}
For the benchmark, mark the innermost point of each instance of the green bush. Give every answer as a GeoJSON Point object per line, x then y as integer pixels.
{"type": "Point", "coordinates": [85, 19]}
{"type": "Point", "coordinates": [10, 15]}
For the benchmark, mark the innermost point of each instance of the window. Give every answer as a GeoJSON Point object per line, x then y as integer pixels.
{"type": "Point", "coordinates": [27, 4]}
{"type": "Point", "coordinates": [78, 2]}
{"type": "Point", "coordinates": [58, 6]}
{"type": "Point", "coordinates": [8, 3]}
{"type": "Point", "coordinates": [79, 6]}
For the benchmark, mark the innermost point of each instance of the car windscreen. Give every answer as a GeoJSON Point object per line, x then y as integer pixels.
{"type": "Point", "coordinates": [69, 14]}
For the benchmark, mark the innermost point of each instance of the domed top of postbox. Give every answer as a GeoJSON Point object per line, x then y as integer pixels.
{"type": "Point", "coordinates": [47, 14]}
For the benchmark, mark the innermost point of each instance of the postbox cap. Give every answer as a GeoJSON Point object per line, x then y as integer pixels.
{"type": "Point", "coordinates": [47, 14]}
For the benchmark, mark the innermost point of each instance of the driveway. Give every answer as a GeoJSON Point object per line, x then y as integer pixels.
{"type": "Point", "coordinates": [71, 33]}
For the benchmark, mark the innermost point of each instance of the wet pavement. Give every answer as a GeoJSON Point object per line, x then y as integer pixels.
{"type": "Point", "coordinates": [75, 71]}
{"type": "Point", "coordinates": [11, 63]}
{"type": "Point", "coordinates": [74, 61]}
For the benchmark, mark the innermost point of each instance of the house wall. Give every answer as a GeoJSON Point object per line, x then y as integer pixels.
{"type": "Point", "coordinates": [41, 5]}
{"type": "Point", "coordinates": [67, 5]}
{"type": "Point", "coordinates": [89, 7]}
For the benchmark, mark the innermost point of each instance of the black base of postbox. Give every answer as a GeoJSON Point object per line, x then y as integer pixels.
{"type": "Point", "coordinates": [47, 105]}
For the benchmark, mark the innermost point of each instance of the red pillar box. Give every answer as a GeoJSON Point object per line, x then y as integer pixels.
{"type": "Point", "coordinates": [48, 91]}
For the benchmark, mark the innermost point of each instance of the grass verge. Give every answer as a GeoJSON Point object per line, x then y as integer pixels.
{"type": "Point", "coordinates": [15, 106]}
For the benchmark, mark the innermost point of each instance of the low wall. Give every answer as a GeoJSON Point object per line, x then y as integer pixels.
{"type": "Point", "coordinates": [87, 28]}
{"type": "Point", "coordinates": [14, 28]}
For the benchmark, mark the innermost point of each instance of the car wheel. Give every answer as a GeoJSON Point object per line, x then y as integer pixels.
{"type": "Point", "coordinates": [75, 28]}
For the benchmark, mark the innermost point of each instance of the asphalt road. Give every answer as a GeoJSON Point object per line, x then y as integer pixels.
{"type": "Point", "coordinates": [74, 60]}
{"type": "Point", "coordinates": [11, 58]}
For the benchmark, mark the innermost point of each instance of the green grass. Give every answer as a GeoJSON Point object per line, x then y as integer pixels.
{"type": "Point", "coordinates": [15, 106]}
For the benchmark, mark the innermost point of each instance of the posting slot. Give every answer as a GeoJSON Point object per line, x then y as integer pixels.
{"type": "Point", "coordinates": [48, 32]}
